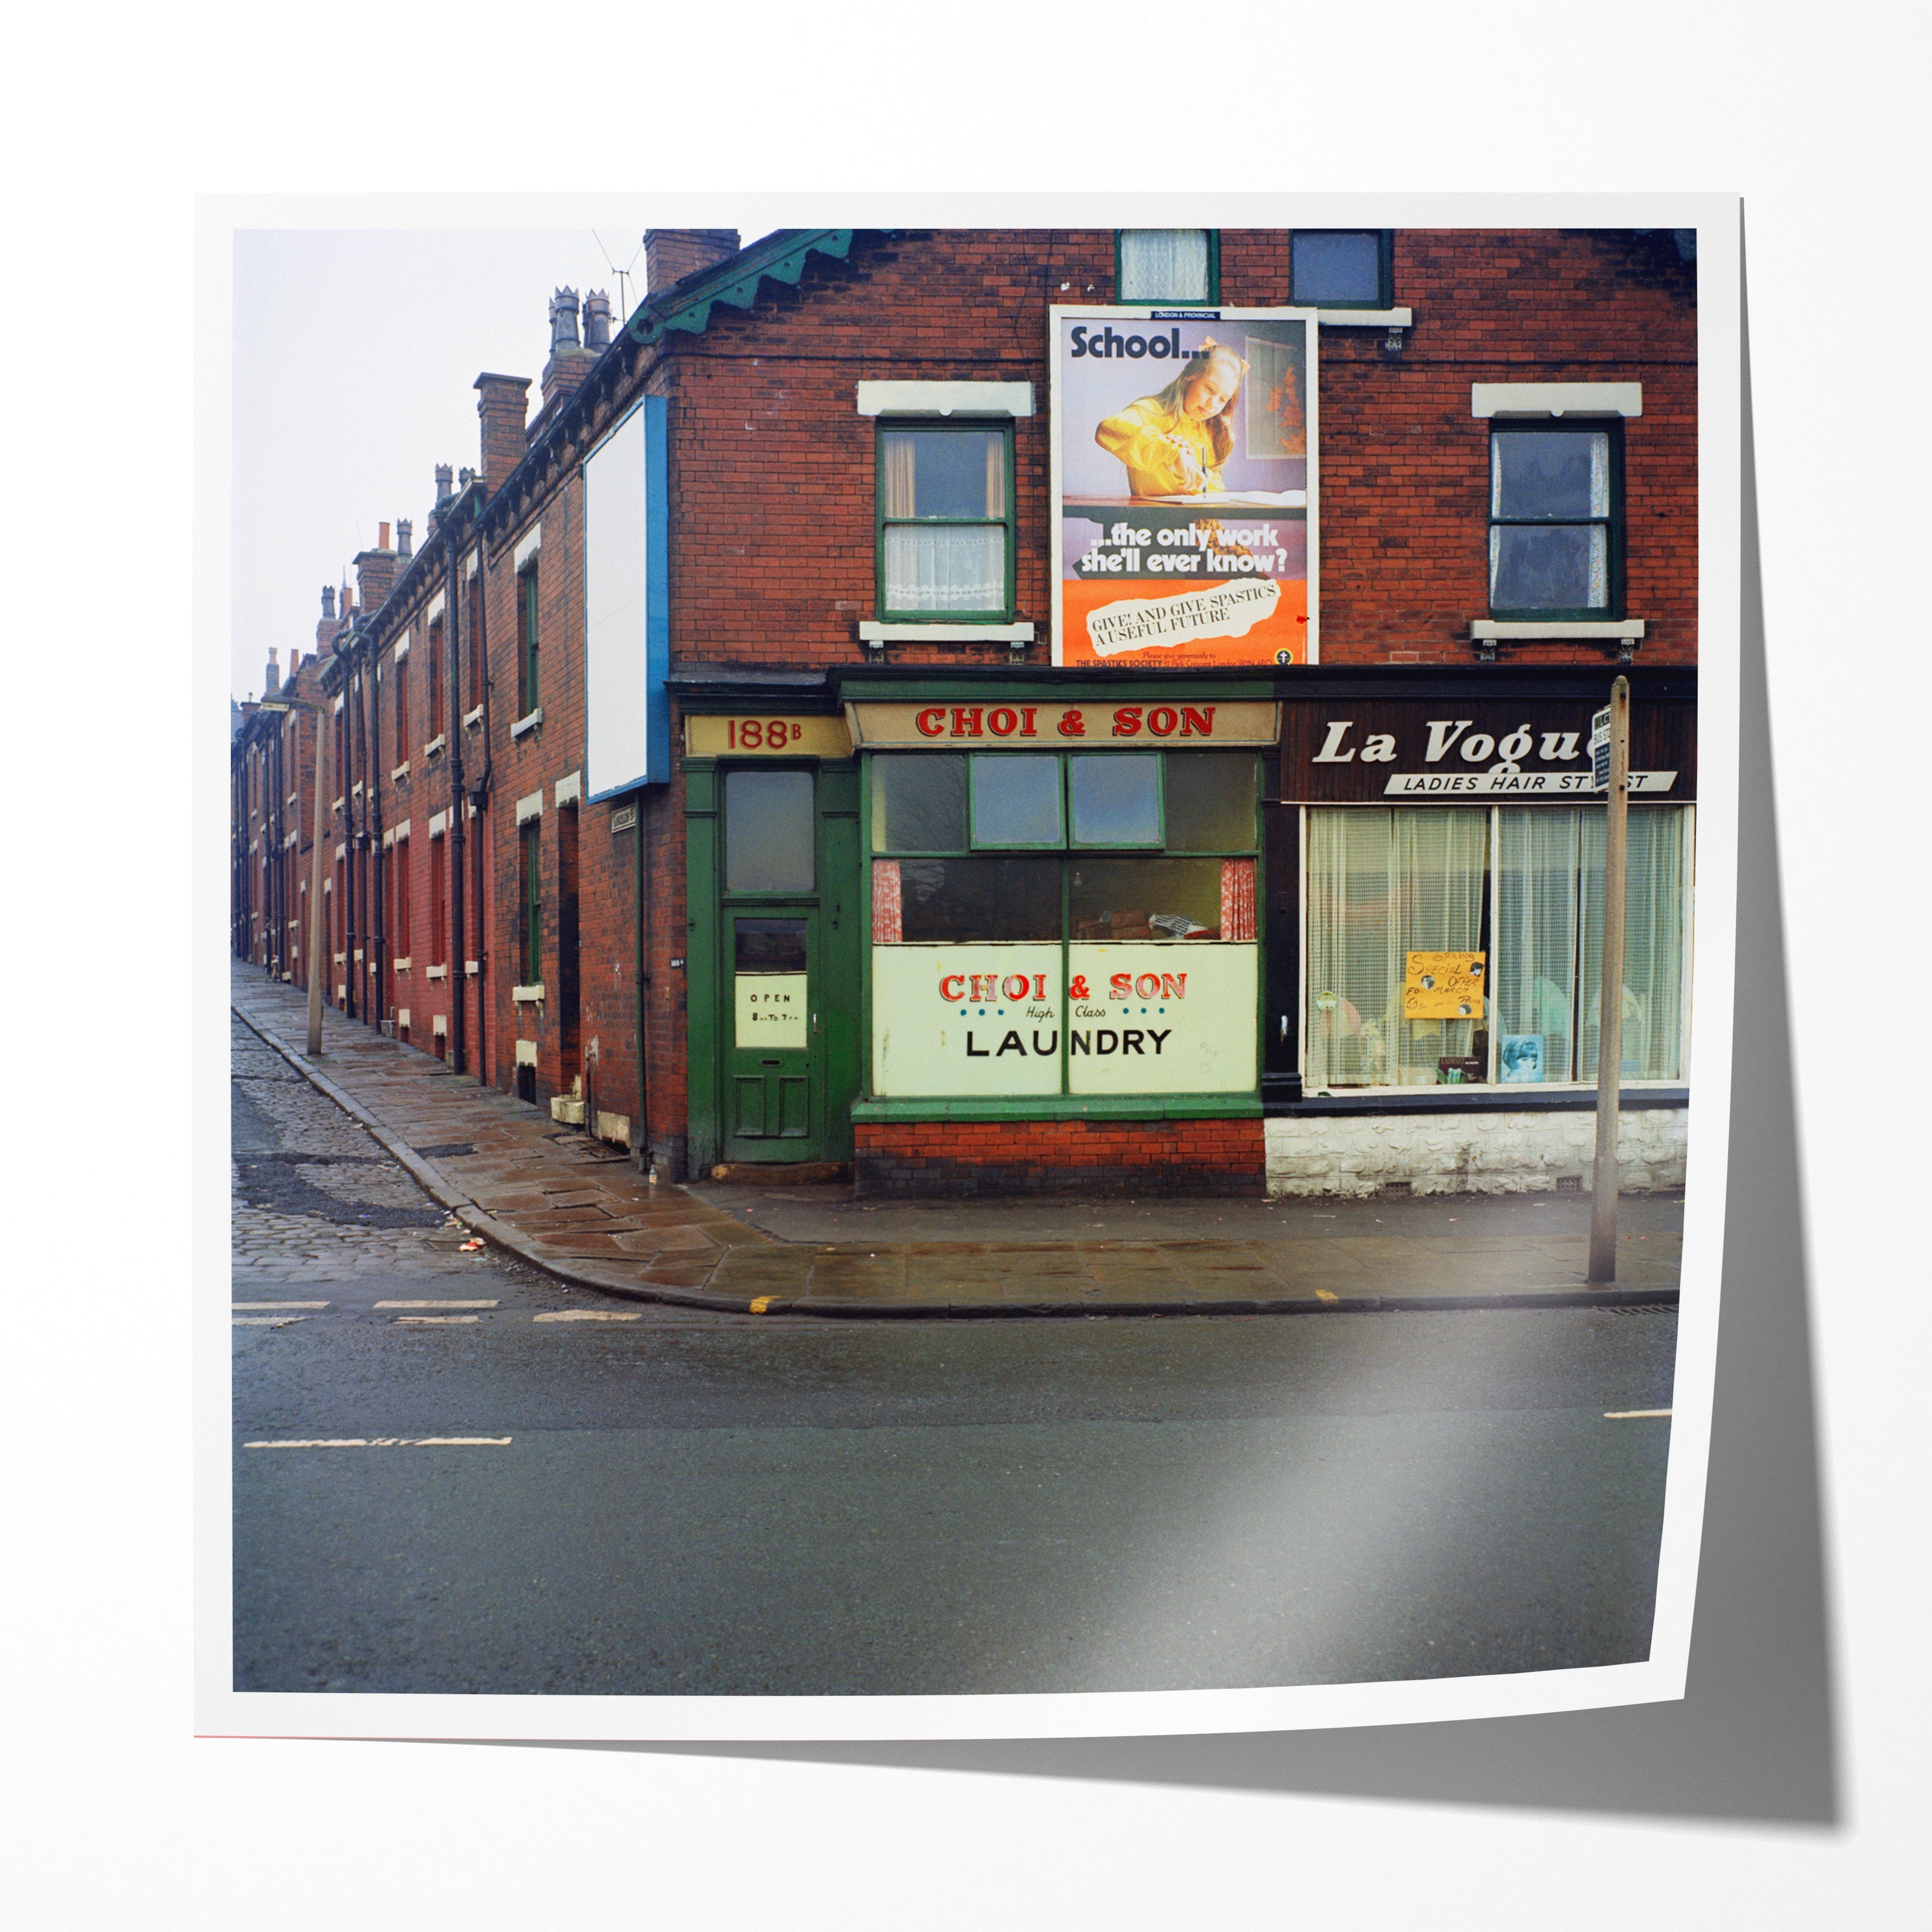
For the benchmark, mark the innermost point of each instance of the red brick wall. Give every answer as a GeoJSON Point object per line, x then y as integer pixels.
{"type": "Point", "coordinates": [947, 1157]}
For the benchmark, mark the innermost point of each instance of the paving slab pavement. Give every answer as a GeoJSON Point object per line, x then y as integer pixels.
{"type": "Point", "coordinates": [566, 1203]}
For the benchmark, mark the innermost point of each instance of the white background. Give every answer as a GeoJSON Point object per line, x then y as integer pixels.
{"type": "Point", "coordinates": [119, 1816]}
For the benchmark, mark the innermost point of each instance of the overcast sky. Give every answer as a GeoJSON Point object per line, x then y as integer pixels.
{"type": "Point", "coordinates": [355, 350]}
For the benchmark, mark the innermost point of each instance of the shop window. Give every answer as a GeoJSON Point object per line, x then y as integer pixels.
{"type": "Point", "coordinates": [1017, 801]}
{"type": "Point", "coordinates": [528, 689]}
{"type": "Point", "coordinates": [1556, 521]}
{"type": "Point", "coordinates": [1167, 265]}
{"type": "Point", "coordinates": [1518, 889]}
{"type": "Point", "coordinates": [1115, 799]}
{"type": "Point", "coordinates": [768, 828]}
{"type": "Point", "coordinates": [1341, 268]}
{"type": "Point", "coordinates": [945, 522]}
{"type": "Point", "coordinates": [919, 803]}
{"type": "Point", "coordinates": [1549, 971]}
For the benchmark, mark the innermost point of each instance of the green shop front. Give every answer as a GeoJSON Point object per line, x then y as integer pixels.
{"type": "Point", "coordinates": [993, 931]}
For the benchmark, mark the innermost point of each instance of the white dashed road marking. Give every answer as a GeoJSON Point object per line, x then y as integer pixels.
{"type": "Point", "coordinates": [264, 1321]}
{"type": "Point", "coordinates": [433, 1320]}
{"type": "Point", "coordinates": [388, 1442]}
{"type": "Point", "coordinates": [1631, 1414]}
{"type": "Point", "coordinates": [284, 1306]}
{"type": "Point", "coordinates": [588, 1315]}
{"type": "Point", "coordinates": [437, 1304]}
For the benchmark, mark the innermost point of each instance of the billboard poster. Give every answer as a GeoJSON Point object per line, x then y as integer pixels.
{"type": "Point", "coordinates": [1184, 487]}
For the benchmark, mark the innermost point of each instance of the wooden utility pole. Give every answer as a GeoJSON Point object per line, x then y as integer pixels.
{"type": "Point", "coordinates": [1610, 992]}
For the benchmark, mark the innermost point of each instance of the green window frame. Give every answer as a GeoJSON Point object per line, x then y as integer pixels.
{"type": "Point", "coordinates": [1602, 519]}
{"type": "Point", "coordinates": [527, 687]}
{"type": "Point", "coordinates": [1131, 292]}
{"type": "Point", "coordinates": [895, 501]}
{"type": "Point", "coordinates": [530, 903]}
{"type": "Point", "coordinates": [1304, 290]}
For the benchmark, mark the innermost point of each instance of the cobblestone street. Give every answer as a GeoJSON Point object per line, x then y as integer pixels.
{"type": "Point", "coordinates": [315, 1198]}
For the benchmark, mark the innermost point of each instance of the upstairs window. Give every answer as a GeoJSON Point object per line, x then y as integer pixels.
{"type": "Point", "coordinates": [529, 908]}
{"type": "Point", "coordinates": [1556, 521]}
{"type": "Point", "coordinates": [1341, 268]}
{"type": "Point", "coordinates": [1167, 265]}
{"type": "Point", "coordinates": [399, 682]}
{"type": "Point", "coordinates": [945, 522]}
{"type": "Point", "coordinates": [527, 686]}
{"type": "Point", "coordinates": [436, 722]}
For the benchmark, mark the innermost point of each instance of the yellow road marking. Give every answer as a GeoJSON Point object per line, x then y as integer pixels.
{"type": "Point", "coordinates": [1326, 1295]}
{"type": "Point", "coordinates": [764, 1302]}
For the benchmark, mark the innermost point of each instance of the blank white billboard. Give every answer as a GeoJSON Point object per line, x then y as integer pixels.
{"type": "Point", "coordinates": [626, 630]}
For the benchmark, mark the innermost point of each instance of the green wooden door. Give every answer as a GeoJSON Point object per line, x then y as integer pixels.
{"type": "Point", "coordinates": [774, 1035]}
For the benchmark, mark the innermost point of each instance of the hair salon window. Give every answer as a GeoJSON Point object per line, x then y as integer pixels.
{"type": "Point", "coordinates": [945, 522]}
{"type": "Point", "coordinates": [1167, 265]}
{"type": "Point", "coordinates": [1556, 520]}
{"type": "Point", "coordinates": [1518, 889]}
{"type": "Point", "coordinates": [1342, 268]}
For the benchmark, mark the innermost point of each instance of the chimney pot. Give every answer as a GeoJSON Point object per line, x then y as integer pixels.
{"type": "Point", "coordinates": [563, 320]}
{"type": "Point", "coordinates": [329, 601]}
{"type": "Point", "coordinates": [597, 319]}
{"type": "Point", "coordinates": [405, 531]}
{"type": "Point", "coordinates": [443, 474]}
{"type": "Point", "coordinates": [383, 540]}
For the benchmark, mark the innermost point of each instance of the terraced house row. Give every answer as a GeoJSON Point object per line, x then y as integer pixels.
{"type": "Point", "coordinates": [1033, 709]}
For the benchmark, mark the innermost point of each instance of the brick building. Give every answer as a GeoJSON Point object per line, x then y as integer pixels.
{"type": "Point", "coordinates": [859, 717]}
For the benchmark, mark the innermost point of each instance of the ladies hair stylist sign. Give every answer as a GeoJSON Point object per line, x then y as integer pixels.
{"type": "Point", "coordinates": [1184, 487]}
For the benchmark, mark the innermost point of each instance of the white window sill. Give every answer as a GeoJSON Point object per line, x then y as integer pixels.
{"type": "Point", "coordinates": [528, 996]}
{"type": "Point", "coordinates": [339, 959]}
{"type": "Point", "coordinates": [469, 969]}
{"type": "Point", "coordinates": [1556, 399]}
{"type": "Point", "coordinates": [1366, 318]}
{"type": "Point", "coordinates": [870, 632]}
{"type": "Point", "coordinates": [433, 749]}
{"type": "Point", "coordinates": [402, 966]}
{"type": "Point", "coordinates": [437, 973]}
{"type": "Point", "coordinates": [337, 805]}
{"type": "Point", "coordinates": [1625, 627]}
{"type": "Point", "coordinates": [359, 955]}
{"type": "Point", "coordinates": [356, 790]}
{"type": "Point", "coordinates": [290, 800]}
{"type": "Point", "coordinates": [528, 723]}
{"type": "Point", "coordinates": [401, 772]}
{"type": "Point", "coordinates": [946, 399]}
{"type": "Point", "coordinates": [472, 720]}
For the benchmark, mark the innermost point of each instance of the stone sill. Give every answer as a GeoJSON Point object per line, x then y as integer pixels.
{"type": "Point", "coordinates": [437, 972]}
{"type": "Point", "coordinates": [433, 749]}
{"type": "Point", "coordinates": [401, 772]}
{"type": "Point", "coordinates": [472, 720]}
{"type": "Point", "coordinates": [400, 966]}
{"type": "Point", "coordinates": [528, 996]}
{"type": "Point", "coordinates": [907, 632]}
{"type": "Point", "coordinates": [1521, 632]}
{"type": "Point", "coordinates": [528, 723]}
{"type": "Point", "coordinates": [1366, 318]}
{"type": "Point", "coordinates": [470, 969]}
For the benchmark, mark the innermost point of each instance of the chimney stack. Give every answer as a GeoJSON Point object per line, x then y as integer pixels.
{"type": "Point", "coordinates": [563, 320]}
{"type": "Point", "coordinates": [502, 404]}
{"type": "Point", "coordinates": [569, 361]}
{"type": "Point", "coordinates": [375, 574]}
{"type": "Point", "coordinates": [443, 475]}
{"type": "Point", "coordinates": [671, 254]}
{"type": "Point", "coordinates": [271, 678]}
{"type": "Point", "coordinates": [405, 530]}
{"type": "Point", "coordinates": [329, 603]}
{"type": "Point", "coordinates": [383, 538]}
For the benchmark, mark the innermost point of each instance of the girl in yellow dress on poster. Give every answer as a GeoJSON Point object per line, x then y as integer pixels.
{"type": "Point", "coordinates": [1174, 443]}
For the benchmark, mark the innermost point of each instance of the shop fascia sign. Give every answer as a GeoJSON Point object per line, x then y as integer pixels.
{"type": "Point", "coordinates": [1175, 720]}
{"type": "Point", "coordinates": [1466, 763]}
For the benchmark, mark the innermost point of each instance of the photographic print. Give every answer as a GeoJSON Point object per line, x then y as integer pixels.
{"type": "Point", "coordinates": [937, 1027]}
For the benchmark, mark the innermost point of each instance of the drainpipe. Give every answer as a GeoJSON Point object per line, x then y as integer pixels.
{"type": "Point", "coordinates": [372, 745]}
{"type": "Point", "coordinates": [453, 633]}
{"type": "Point", "coordinates": [645, 1163]}
{"type": "Point", "coordinates": [479, 792]}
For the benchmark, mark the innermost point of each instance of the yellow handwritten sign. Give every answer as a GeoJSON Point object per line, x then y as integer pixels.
{"type": "Point", "coordinates": [1443, 986]}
